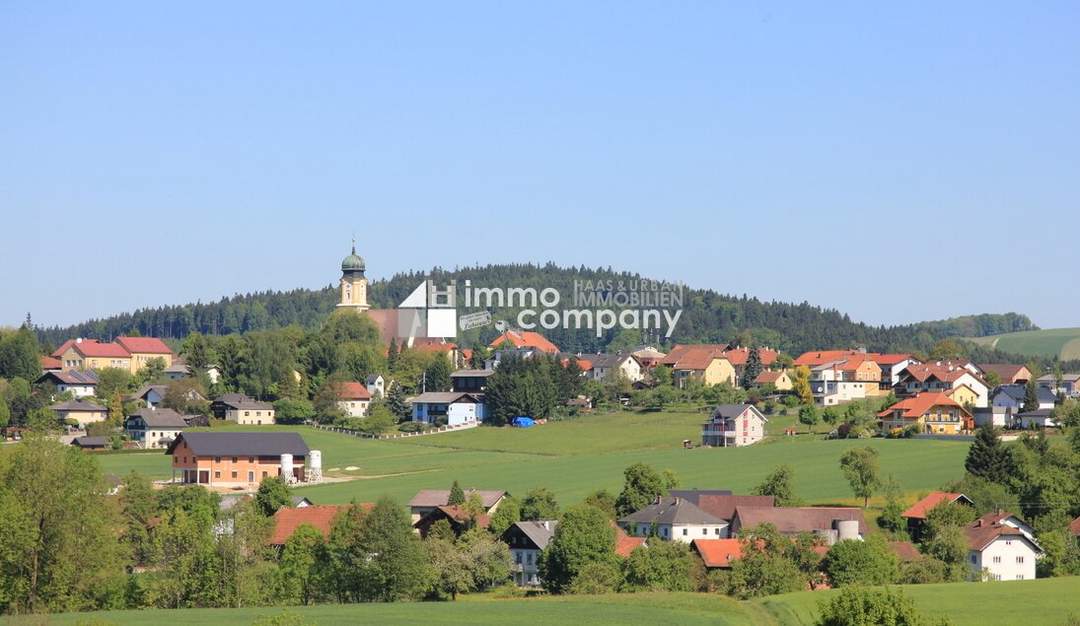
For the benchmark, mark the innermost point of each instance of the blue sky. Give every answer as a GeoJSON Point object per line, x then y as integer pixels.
{"type": "Point", "coordinates": [896, 161]}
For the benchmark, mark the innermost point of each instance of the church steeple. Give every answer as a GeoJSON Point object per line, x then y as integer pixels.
{"type": "Point", "coordinates": [353, 282]}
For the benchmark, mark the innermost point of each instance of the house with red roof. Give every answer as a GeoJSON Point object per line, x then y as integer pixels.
{"type": "Point", "coordinates": [143, 349]}
{"type": "Point", "coordinates": [848, 378]}
{"type": "Point", "coordinates": [50, 364]}
{"type": "Point", "coordinates": [717, 553]}
{"type": "Point", "coordinates": [932, 412]}
{"type": "Point", "coordinates": [524, 339]}
{"type": "Point", "coordinates": [780, 380]}
{"type": "Point", "coordinates": [891, 364]}
{"type": "Point", "coordinates": [702, 362]}
{"type": "Point", "coordinates": [91, 354]}
{"type": "Point", "coordinates": [942, 376]}
{"type": "Point", "coordinates": [320, 517]}
{"type": "Point", "coordinates": [1002, 547]}
{"type": "Point", "coordinates": [353, 398]}
{"type": "Point", "coordinates": [916, 513]}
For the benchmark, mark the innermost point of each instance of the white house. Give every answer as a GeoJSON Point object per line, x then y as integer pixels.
{"type": "Point", "coordinates": [675, 519]}
{"type": "Point", "coordinates": [943, 376]}
{"type": "Point", "coordinates": [527, 541]}
{"type": "Point", "coordinates": [450, 408]}
{"type": "Point", "coordinates": [602, 366]}
{"type": "Point", "coordinates": [154, 428]}
{"type": "Point", "coordinates": [353, 398]}
{"type": "Point", "coordinates": [734, 425]}
{"type": "Point", "coordinates": [1011, 398]}
{"type": "Point", "coordinates": [1069, 385]}
{"type": "Point", "coordinates": [376, 386]}
{"type": "Point", "coordinates": [250, 412]}
{"type": "Point", "coordinates": [80, 383]}
{"type": "Point", "coordinates": [1003, 547]}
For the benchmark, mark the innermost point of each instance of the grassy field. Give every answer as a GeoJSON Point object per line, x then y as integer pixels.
{"type": "Point", "coordinates": [573, 458]}
{"type": "Point", "coordinates": [963, 604]}
{"type": "Point", "coordinates": [1060, 342]}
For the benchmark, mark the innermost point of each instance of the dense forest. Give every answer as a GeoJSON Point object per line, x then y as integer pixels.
{"type": "Point", "coordinates": [708, 316]}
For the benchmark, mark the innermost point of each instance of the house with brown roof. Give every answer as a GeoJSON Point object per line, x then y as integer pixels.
{"type": "Point", "coordinates": [916, 513]}
{"type": "Point", "coordinates": [143, 349]}
{"type": "Point", "coordinates": [524, 339]}
{"type": "Point", "coordinates": [81, 383]}
{"type": "Point", "coordinates": [702, 362]}
{"type": "Point", "coordinates": [942, 376]}
{"type": "Point", "coordinates": [80, 411]}
{"type": "Point", "coordinates": [320, 517]}
{"type": "Point", "coordinates": [1002, 547]}
{"type": "Point", "coordinates": [780, 380]}
{"type": "Point", "coordinates": [353, 398]}
{"type": "Point", "coordinates": [721, 504]}
{"type": "Point", "coordinates": [91, 354]}
{"type": "Point", "coordinates": [931, 412]}
{"type": "Point", "coordinates": [1007, 373]}
{"type": "Point", "coordinates": [51, 364]}
{"type": "Point", "coordinates": [427, 500]}
{"type": "Point", "coordinates": [832, 524]}
{"type": "Point", "coordinates": [717, 553]}
{"type": "Point", "coordinates": [457, 516]}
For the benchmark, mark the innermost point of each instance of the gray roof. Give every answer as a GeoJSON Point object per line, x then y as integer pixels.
{"type": "Point", "coordinates": [231, 398]}
{"type": "Point", "coordinates": [72, 377]}
{"type": "Point", "coordinates": [298, 500]}
{"type": "Point", "coordinates": [90, 441]}
{"type": "Point", "coordinates": [1050, 379]}
{"type": "Point", "coordinates": [374, 378]}
{"type": "Point", "coordinates": [1036, 413]}
{"type": "Point", "coordinates": [693, 494]}
{"type": "Point", "coordinates": [204, 443]}
{"type": "Point", "coordinates": [730, 411]}
{"type": "Point", "coordinates": [160, 418]}
{"type": "Point", "coordinates": [471, 373]}
{"type": "Point", "coordinates": [440, 497]}
{"type": "Point", "coordinates": [443, 397]}
{"type": "Point", "coordinates": [798, 519]}
{"type": "Point", "coordinates": [1019, 393]}
{"type": "Point", "coordinates": [539, 532]}
{"type": "Point", "coordinates": [672, 511]}
{"type": "Point", "coordinates": [77, 405]}
{"type": "Point", "coordinates": [145, 389]}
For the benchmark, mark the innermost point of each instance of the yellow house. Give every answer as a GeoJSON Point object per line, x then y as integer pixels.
{"type": "Point", "coordinates": [91, 354]}
{"type": "Point", "coordinates": [964, 395]}
{"type": "Point", "coordinates": [704, 362]}
{"type": "Point", "coordinates": [932, 412]}
{"type": "Point", "coordinates": [143, 349]}
{"type": "Point", "coordinates": [780, 380]}
{"type": "Point", "coordinates": [80, 411]}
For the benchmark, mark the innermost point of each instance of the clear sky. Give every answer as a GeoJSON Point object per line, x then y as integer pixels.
{"type": "Point", "coordinates": [894, 161]}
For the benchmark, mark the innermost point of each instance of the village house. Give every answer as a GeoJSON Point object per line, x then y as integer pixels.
{"type": "Point", "coordinates": [80, 383]}
{"type": "Point", "coordinates": [851, 378]}
{"type": "Point", "coordinates": [832, 524]}
{"type": "Point", "coordinates": [321, 518]}
{"type": "Point", "coordinates": [91, 354]}
{"type": "Point", "coordinates": [674, 518]}
{"type": "Point", "coordinates": [527, 542]}
{"type": "Point", "coordinates": [1040, 418]}
{"type": "Point", "coordinates": [739, 356]}
{"type": "Point", "coordinates": [717, 553]}
{"type": "Point", "coordinates": [916, 513]}
{"type": "Point", "coordinates": [427, 500]}
{"type": "Point", "coordinates": [144, 349]}
{"type": "Point", "coordinates": [50, 364]}
{"type": "Point", "coordinates": [720, 503]}
{"type": "Point", "coordinates": [237, 459]}
{"type": "Point", "coordinates": [525, 339]}
{"type": "Point", "coordinates": [1007, 373]}
{"type": "Point", "coordinates": [604, 366]}
{"type": "Point", "coordinates": [451, 408]}
{"type": "Point", "coordinates": [353, 398]}
{"type": "Point", "coordinates": [1068, 385]}
{"type": "Point", "coordinates": [459, 519]}
{"type": "Point", "coordinates": [1001, 546]}
{"type": "Point", "coordinates": [151, 395]}
{"type": "Point", "coordinates": [154, 428]}
{"type": "Point", "coordinates": [648, 356]}
{"type": "Point", "coordinates": [942, 376]}
{"type": "Point", "coordinates": [931, 412]}
{"type": "Point", "coordinates": [80, 411]}
{"type": "Point", "coordinates": [1010, 398]}
{"type": "Point", "coordinates": [890, 365]}
{"type": "Point", "coordinates": [177, 370]}
{"type": "Point", "coordinates": [781, 380]}
{"type": "Point", "coordinates": [470, 380]}
{"type": "Point", "coordinates": [90, 443]}
{"type": "Point", "coordinates": [734, 425]}
{"type": "Point", "coordinates": [702, 362]}
{"type": "Point", "coordinates": [247, 411]}
{"type": "Point", "coordinates": [964, 396]}
{"type": "Point", "coordinates": [376, 385]}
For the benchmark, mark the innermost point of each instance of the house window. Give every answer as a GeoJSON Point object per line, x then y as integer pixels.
{"type": "Point", "coordinates": [234, 459]}
{"type": "Point", "coordinates": [529, 558]}
{"type": "Point", "coordinates": [234, 473]}
{"type": "Point", "coordinates": [217, 474]}
{"type": "Point", "coordinates": [264, 474]}
{"type": "Point", "coordinates": [716, 531]}
{"type": "Point", "coordinates": [684, 532]}
{"type": "Point", "coordinates": [997, 559]}
{"type": "Point", "coordinates": [1019, 559]}
{"type": "Point", "coordinates": [1019, 577]}
{"type": "Point", "coordinates": [517, 557]}
{"type": "Point", "coordinates": [251, 477]}
{"type": "Point", "coordinates": [973, 558]}
{"type": "Point", "coordinates": [705, 531]}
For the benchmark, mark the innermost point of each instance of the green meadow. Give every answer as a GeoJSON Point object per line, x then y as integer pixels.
{"type": "Point", "coordinates": [1048, 602]}
{"type": "Point", "coordinates": [576, 457]}
{"type": "Point", "coordinates": [1063, 343]}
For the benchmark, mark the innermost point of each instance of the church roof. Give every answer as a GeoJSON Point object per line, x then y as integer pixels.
{"type": "Point", "coordinates": [352, 262]}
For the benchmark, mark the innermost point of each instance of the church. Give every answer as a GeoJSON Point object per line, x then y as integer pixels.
{"type": "Point", "coordinates": [353, 295]}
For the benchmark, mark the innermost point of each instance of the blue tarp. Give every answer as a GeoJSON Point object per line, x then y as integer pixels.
{"type": "Point", "coordinates": [523, 422]}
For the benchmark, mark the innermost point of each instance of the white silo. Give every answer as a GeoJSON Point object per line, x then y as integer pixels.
{"type": "Point", "coordinates": [314, 473]}
{"type": "Point", "coordinates": [287, 468]}
{"type": "Point", "coordinates": [847, 529]}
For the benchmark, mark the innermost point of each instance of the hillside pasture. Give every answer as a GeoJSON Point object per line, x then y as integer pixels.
{"type": "Point", "coordinates": [1063, 343]}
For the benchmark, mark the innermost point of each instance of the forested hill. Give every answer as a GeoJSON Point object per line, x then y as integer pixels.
{"type": "Point", "coordinates": [708, 316]}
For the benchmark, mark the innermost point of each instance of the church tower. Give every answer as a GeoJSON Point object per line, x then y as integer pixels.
{"type": "Point", "coordinates": [353, 282]}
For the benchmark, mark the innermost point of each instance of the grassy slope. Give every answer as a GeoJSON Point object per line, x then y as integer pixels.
{"type": "Point", "coordinates": [1029, 602]}
{"type": "Point", "coordinates": [576, 457]}
{"type": "Point", "coordinates": [1061, 342]}
{"type": "Point", "coordinates": [963, 603]}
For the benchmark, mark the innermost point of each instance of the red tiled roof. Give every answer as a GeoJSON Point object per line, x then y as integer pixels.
{"type": "Point", "coordinates": [905, 550]}
{"type": "Point", "coordinates": [916, 406]}
{"type": "Point", "coordinates": [718, 552]}
{"type": "Point", "coordinates": [526, 339]}
{"type": "Point", "coordinates": [946, 372]}
{"type": "Point", "coordinates": [49, 363]}
{"type": "Point", "coordinates": [92, 348]}
{"type": "Point", "coordinates": [692, 357]}
{"type": "Point", "coordinates": [352, 391]}
{"type": "Point", "coordinates": [889, 359]}
{"type": "Point", "coordinates": [989, 527]}
{"type": "Point", "coordinates": [625, 544]}
{"type": "Point", "coordinates": [432, 344]}
{"type": "Point", "coordinates": [1074, 527]}
{"type": "Point", "coordinates": [739, 356]}
{"type": "Point", "coordinates": [768, 377]}
{"type": "Point", "coordinates": [934, 498]}
{"type": "Point", "coordinates": [821, 357]}
{"type": "Point", "coordinates": [321, 517]}
{"type": "Point", "coordinates": [1005, 371]}
{"type": "Point", "coordinates": [459, 514]}
{"type": "Point", "coordinates": [144, 345]}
